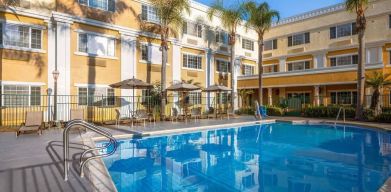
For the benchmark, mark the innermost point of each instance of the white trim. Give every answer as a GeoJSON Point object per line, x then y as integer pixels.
{"type": "Point", "coordinates": [342, 55]}
{"type": "Point", "coordinates": [191, 69]}
{"type": "Point", "coordinates": [26, 12]}
{"type": "Point", "coordinates": [193, 54]}
{"type": "Point", "coordinates": [94, 55]}
{"type": "Point", "coordinates": [86, 85]}
{"type": "Point", "coordinates": [22, 83]}
{"type": "Point", "coordinates": [297, 61]}
{"type": "Point", "coordinates": [23, 48]}
{"type": "Point", "coordinates": [312, 71]}
{"type": "Point", "coordinates": [40, 27]}
{"type": "Point", "coordinates": [95, 33]}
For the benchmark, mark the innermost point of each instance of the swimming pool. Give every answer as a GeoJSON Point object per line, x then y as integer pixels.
{"type": "Point", "coordinates": [268, 157]}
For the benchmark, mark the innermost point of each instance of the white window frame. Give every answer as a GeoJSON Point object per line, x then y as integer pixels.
{"type": "Point", "coordinates": [197, 27]}
{"type": "Point", "coordinates": [342, 25]}
{"type": "Point", "coordinates": [149, 18]}
{"type": "Point", "coordinates": [29, 93]}
{"type": "Point", "coordinates": [220, 38]}
{"type": "Point", "coordinates": [248, 42]}
{"type": "Point", "coordinates": [107, 5]}
{"type": "Point", "coordinates": [99, 35]}
{"type": "Point", "coordinates": [187, 62]}
{"type": "Point", "coordinates": [3, 30]}
{"type": "Point", "coordinates": [248, 65]}
{"type": "Point", "coordinates": [270, 65]}
{"type": "Point", "coordinates": [296, 63]}
{"type": "Point", "coordinates": [88, 87]}
{"type": "Point", "coordinates": [195, 96]}
{"type": "Point", "coordinates": [218, 67]}
{"type": "Point", "coordinates": [272, 44]}
{"type": "Point", "coordinates": [342, 91]}
{"type": "Point", "coordinates": [341, 56]}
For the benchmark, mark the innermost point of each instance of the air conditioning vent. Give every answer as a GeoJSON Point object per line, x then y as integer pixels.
{"type": "Point", "coordinates": [192, 74]}
{"type": "Point", "coordinates": [224, 48]}
{"type": "Point", "coordinates": [247, 54]}
{"type": "Point", "coordinates": [298, 50]}
{"type": "Point", "coordinates": [342, 43]}
{"type": "Point", "coordinates": [267, 55]}
{"type": "Point", "coordinates": [192, 41]}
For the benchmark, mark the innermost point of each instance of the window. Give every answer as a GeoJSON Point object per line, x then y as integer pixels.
{"type": "Point", "coordinates": [107, 5]}
{"type": "Point", "coordinates": [96, 45]}
{"type": "Point", "coordinates": [149, 13]}
{"type": "Point", "coordinates": [16, 35]}
{"type": "Point", "coordinates": [96, 96]}
{"type": "Point", "coordinates": [299, 39]}
{"type": "Point", "coordinates": [248, 70]}
{"type": "Point", "coordinates": [343, 30]}
{"type": "Point", "coordinates": [195, 98]}
{"type": "Point", "coordinates": [270, 45]}
{"type": "Point", "coordinates": [270, 68]}
{"type": "Point", "coordinates": [21, 95]}
{"type": "Point", "coordinates": [223, 66]}
{"type": "Point", "coordinates": [193, 29]}
{"type": "Point", "coordinates": [299, 66]}
{"type": "Point", "coordinates": [344, 60]}
{"type": "Point", "coordinates": [192, 61]}
{"type": "Point", "coordinates": [144, 52]}
{"type": "Point", "coordinates": [389, 57]}
{"type": "Point", "coordinates": [304, 97]}
{"type": "Point", "coordinates": [389, 21]}
{"type": "Point", "coordinates": [343, 97]}
{"type": "Point", "coordinates": [247, 44]}
{"type": "Point", "coordinates": [223, 98]}
{"type": "Point", "coordinates": [221, 37]}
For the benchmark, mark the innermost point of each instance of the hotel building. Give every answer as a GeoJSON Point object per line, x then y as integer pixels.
{"type": "Point", "coordinates": [94, 43]}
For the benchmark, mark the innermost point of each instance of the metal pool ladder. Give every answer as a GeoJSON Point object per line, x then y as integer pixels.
{"type": "Point", "coordinates": [341, 109]}
{"type": "Point", "coordinates": [83, 160]}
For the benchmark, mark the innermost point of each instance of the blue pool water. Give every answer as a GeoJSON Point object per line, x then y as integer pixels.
{"type": "Point", "coordinates": [270, 157]}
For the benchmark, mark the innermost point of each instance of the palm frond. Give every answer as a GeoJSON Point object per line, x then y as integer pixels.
{"type": "Point", "coordinates": [260, 17]}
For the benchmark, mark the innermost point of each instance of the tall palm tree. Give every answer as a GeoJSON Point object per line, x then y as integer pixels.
{"type": "Point", "coordinates": [170, 14]}
{"type": "Point", "coordinates": [230, 19]}
{"type": "Point", "coordinates": [260, 18]}
{"type": "Point", "coordinates": [377, 81]}
{"type": "Point", "coordinates": [359, 7]}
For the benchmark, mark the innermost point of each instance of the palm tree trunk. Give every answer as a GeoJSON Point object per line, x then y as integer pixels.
{"type": "Point", "coordinates": [260, 69]}
{"type": "Point", "coordinates": [163, 78]}
{"type": "Point", "coordinates": [233, 71]}
{"type": "Point", "coordinates": [360, 75]}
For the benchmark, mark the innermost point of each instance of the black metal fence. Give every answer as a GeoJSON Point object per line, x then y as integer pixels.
{"type": "Point", "coordinates": [97, 109]}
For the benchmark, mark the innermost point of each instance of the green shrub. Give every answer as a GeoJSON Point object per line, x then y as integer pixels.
{"type": "Point", "coordinates": [329, 111]}
{"type": "Point", "coordinates": [384, 117]}
{"type": "Point", "coordinates": [245, 111]}
{"type": "Point", "coordinates": [274, 111]}
{"type": "Point", "coordinates": [368, 115]}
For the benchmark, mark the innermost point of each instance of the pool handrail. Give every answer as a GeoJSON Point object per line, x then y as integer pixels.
{"type": "Point", "coordinates": [339, 114]}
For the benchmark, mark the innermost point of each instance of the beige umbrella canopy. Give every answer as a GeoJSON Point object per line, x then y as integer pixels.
{"type": "Point", "coordinates": [217, 88]}
{"type": "Point", "coordinates": [183, 87]}
{"type": "Point", "coordinates": [131, 84]}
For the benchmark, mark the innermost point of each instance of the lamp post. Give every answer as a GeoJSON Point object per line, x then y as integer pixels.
{"type": "Point", "coordinates": [55, 73]}
{"type": "Point", "coordinates": [234, 82]}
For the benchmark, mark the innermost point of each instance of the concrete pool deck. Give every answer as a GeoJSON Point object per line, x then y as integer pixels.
{"type": "Point", "coordinates": [34, 163]}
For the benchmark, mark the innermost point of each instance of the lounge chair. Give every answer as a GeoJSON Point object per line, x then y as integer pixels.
{"type": "Point", "coordinates": [78, 114]}
{"type": "Point", "coordinates": [33, 122]}
{"type": "Point", "coordinates": [174, 114]}
{"type": "Point", "coordinates": [210, 113]}
{"type": "Point", "coordinates": [142, 115]}
{"type": "Point", "coordinates": [119, 118]}
{"type": "Point", "coordinates": [195, 113]}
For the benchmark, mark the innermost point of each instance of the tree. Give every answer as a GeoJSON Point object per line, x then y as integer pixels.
{"type": "Point", "coordinates": [244, 93]}
{"type": "Point", "coordinates": [377, 81]}
{"type": "Point", "coordinates": [171, 19]}
{"type": "Point", "coordinates": [260, 18]}
{"type": "Point", "coordinates": [359, 7]}
{"type": "Point", "coordinates": [230, 18]}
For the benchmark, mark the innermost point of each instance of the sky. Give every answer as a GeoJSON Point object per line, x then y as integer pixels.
{"type": "Point", "coordinates": [286, 8]}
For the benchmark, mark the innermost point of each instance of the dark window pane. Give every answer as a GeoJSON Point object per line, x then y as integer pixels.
{"type": "Point", "coordinates": [290, 41]}
{"type": "Point", "coordinates": [333, 32]}
{"type": "Point", "coordinates": [355, 59]}
{"type": "Point", "coordinates": [333, 62]}
{"type": "Point", "coordinates": [307, 37]}
{"type": "Point", "coordinates": [354, 29]}
{"type": "Point", "coordinates": [275, 44]}
{"type": "Point", "coordinates": [111, 4]}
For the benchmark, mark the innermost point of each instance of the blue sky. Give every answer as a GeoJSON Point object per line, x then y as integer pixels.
{"type": "Point", "coordinates": [286, 8]}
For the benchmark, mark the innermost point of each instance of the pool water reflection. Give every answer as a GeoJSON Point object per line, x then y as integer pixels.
{"type": "Point", "coordinates": [269, 157]}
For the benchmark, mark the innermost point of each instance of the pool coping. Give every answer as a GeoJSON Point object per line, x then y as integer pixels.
{"type": "Point", "coordinates": [91, 142]}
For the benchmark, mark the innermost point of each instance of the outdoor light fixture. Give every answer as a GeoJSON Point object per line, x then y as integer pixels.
{"type": "Point", "coordinates": [55, 73]}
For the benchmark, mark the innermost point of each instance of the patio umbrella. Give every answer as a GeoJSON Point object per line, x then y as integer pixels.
{"type": "Point", "coordinates": [218, 89]}
{"type": "Point", "coordinates": [183, 87]}
{"type": "Point", "coordinates": [133, 84]}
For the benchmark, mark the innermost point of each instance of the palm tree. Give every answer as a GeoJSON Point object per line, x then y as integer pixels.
{"type": "Point", "coordinates": [359, 7]}
{"type": "Point", "coordinates": [230, 19]}
{"type": "Point", "coordinates": [260, 19]}
{"type": "Point", "coordinates": [377, 81]}
{"type": "Point", "coordinates": [171, 19]}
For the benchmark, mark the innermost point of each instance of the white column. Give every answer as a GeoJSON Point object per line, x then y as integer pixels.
{"type": "Point", "coordinates": [316, 95]}
{"type": "Point", "coordinates": [128, 70]}
{"type": "Point", "coordinates": [176, 69]}
{"type": "Point", "coordinates": [235, 85]}
{"type": "Point", "coordinates": [210, 75]}
{"type": "Point", "coordinates": [51, 66]}
{"type": "Point", "coordinates": [282, 65]}
{"type": "Point", "coordinates": [270, 95]}
{"type": "Point", "coordinates": [62, 59]}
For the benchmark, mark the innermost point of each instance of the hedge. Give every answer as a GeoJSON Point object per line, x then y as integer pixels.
{"type": "Point", "coordinates": [329, 111]}
{"type": "Point", "coordinates": [274, 111]}
{"type": "Point", "coordinates": [384, 117]}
